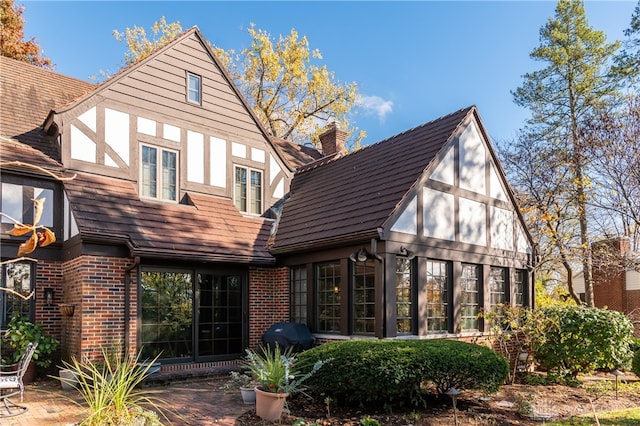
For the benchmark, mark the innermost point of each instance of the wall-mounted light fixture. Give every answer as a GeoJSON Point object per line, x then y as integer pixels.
{"type": "Point", "coordinates": [408, 253]}
{"type": "Point", "coordinates": [48, 296]}
{"type": "Point", "coordinates": [360, 255]}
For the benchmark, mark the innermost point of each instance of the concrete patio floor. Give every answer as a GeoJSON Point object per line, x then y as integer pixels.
{"type": "Point", "coordinates": [197, 403]}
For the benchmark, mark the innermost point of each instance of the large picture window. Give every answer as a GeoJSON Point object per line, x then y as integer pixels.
{"type": "Point", "coordinates": [17, 203]}
{"type": "Point", "coordinates": [364, 298]}
{"type": "Point", "coordinates": [404, 296]}
{"type": "Point", "coordinates": [159, 173]}
{"type": "Point", "coordinates": [328, 296]}
{"type": "Point", "coordinates": [18, 277]}
{"type": "Point", "coordinates": [298, 282]}
{"type": "Point", "coordinates": [471, 287]}
{"type": "Point", "coordinates": [437, 287]}
{"type": "Point", "coordinates": [248, 190]}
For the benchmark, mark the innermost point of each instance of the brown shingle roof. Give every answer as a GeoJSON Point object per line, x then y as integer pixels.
{"type": "Point", "coordinates": [296, 155]}
{"type": "Point", "coordinates": [27, 95]}
{"type": "Point", "coordinates": [210, 229]}
{"type": "Point", "coordinates": [353, 196]}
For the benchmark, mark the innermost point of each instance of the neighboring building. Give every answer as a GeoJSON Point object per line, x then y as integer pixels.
{"type": "Point", "coordinates": [186, 230]}
{"type": "Point", "coordinates": [616, 278]}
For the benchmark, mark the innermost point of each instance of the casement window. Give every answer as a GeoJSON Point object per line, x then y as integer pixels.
{"type": "Point", "coordinates": [18, 277]}
{"type": "Point", "coordinates": [159, 173]}
{"type": "Point", "coordinates": [298, 288]}
{"type": "Point", "coordinates": [328, 294]}
{"type": "Point", "coordinates": [194, 88]}
{"type": "Point", "coordinates": [437, 287]}
{"type": "Point", "coordinates": [520, 290]}
{"type": "Point", "coordinates": [363, 298]}
{"type": "Point", "coordinates": [471, 292]}
{"type": "Point", "coordinates": [248, 190]}
{"type": "Point", "coordinates": [497, 286]}
{"type": "Point", "coordinates": [404, 296]}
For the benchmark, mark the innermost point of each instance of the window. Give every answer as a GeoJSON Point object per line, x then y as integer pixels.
{"type": "Point", "coordinates": [364, 298]}
{"type": "Point", "coordinates": [248, 195]}
{"type": "Point", "coordinates": [194, 88]}
{"type": "Point", "coordinates": [19, 277]}
{"type": "Point", "coordinates": [17, 202]}
{"type": "Point", "coordinates": [497, 286]}
{"type": "Point", "coordinates": [189, 315]}
{"type": "Point", "coordinates": [520, 288]}
{"type": "Point", "coordinates": [437, 296]}
{"type": "Point", "coordinates": [159, 180]}
{"type": "Point", "coordinates": [298, 279]}
{"type": "Point", "coordinates": [328, 296]}
{"type": "Point", "coordinates": [404, 296]}
{"type": "Point", "coordinates": [470, 284]}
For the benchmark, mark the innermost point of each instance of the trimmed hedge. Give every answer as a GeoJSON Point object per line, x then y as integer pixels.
{"type": "Point", "coordinates": [401, 372]}
{"type": "Point", "coordinates": [635, 364]}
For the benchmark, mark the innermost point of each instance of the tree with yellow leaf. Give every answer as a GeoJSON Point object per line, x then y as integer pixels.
{"type": "Point", "coordinates": [293, 96]}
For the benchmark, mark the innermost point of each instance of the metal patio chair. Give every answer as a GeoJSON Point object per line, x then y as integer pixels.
{"type": "Point", "coordinates": [11, 383]}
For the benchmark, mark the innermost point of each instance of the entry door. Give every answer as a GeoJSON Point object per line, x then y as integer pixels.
{"type": "Point", "coordinates": [219, 320]}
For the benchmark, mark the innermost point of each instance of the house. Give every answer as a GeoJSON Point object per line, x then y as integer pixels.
{"type": "Point", "coordinates": [184, 230]}
{"type": "Point", "coordinates": [616, 278]}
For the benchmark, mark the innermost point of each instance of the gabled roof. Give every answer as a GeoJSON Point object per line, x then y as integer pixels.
{"type": "Point", "coordinates": [209, 229]}
{"type": "Point", "coordinates": [27, 95]}
{"type": "Point", "coordinates": [351, 198]}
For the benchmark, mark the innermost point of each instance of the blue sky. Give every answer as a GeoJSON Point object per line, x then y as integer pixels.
{"type": "Point", "coordinates": [413, 61]}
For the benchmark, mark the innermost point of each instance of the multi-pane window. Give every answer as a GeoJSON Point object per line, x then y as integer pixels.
{"type": "Point", "coordinates": [194, 88]}
{"type": "Point", "coordinates": [364, 298]}
{"type": "Point", "coordinates": [437, 296]}
{"type": "Point", "coordinates": [328, 296]}
{"type": "Point", "coordinates": [497, 286]}
{"type": "Point", "coordinates": [248, 190]}
{"type": "Point", "coordinates": [159, 173]}
{"type": "Point", "coordinates": [520, 288]}
{"type": "Point", "coordinates": [470, 307]}
{"type": "Point", "coordinates": [404, 293]}
{"type": "Point", "coordinates": [298, 280]}
{"type": "Point", "coordinates": [18, 277]}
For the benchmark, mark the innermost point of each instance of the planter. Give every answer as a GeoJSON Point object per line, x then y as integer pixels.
{"type": "Point", "coordinates": [68, 379]}
{"type": "Point", "coordinates": [269, 405]}
{"type": "Point", "coordinates": [67, 309]}
{"type": "Point", "coordinates": [248, 395]}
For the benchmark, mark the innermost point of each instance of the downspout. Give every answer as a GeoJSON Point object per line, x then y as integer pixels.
{"type": "Point", "coordinates": [127, 301]}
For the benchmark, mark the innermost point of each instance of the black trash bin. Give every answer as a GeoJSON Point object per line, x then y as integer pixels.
{"type": "Point", "coordinates": [288, 335]}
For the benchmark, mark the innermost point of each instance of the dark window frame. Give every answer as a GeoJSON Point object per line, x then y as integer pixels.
{"type": "Point", "coordinates": [446, 300]}
{"type": "Point", "coordinates": [6, 297]}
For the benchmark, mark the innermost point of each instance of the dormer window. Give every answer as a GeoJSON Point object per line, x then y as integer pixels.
{"type": "Point", "coordinates": [194, 88]}
{"type": "Point", "coordinates": [248, 190]}
{"type": "Point", "coordinates": [158, 173]}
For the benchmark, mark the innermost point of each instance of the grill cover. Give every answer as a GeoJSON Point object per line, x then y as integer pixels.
{"type": "Point", "coordinates": [288, 335]}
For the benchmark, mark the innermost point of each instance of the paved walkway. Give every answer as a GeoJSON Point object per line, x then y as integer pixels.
{"type": "Point", "coordinates": [198, 402]}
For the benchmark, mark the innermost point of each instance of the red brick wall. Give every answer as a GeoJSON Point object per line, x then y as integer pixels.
{"type": "Point", "coordinates": [609, 291]}
{"type": "Point", "coordinates": [49, 275]}
{"type": "Point", "coordinates": [95, 285]}
{"type": "Point", "coordinates": [268, 300]}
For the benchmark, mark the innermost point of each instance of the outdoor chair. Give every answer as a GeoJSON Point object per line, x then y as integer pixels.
{"type": "Point", "coordinates": [11, 383]}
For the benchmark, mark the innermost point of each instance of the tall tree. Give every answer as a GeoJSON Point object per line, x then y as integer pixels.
{"type": "Point", "coordinates": [627, 62]}
{"type": "Point", "coordinates": [12, 42]}
{"type": "Point", "coordinates": [563, 96]}
{"type": "Point", "coordinates": [293, 96]}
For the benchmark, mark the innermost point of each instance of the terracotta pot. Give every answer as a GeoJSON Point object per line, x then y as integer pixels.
{"type": "Point", "coordinates": [269, 405]}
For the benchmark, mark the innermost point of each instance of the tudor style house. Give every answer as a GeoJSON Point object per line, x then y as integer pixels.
{"type": "Point", "coordinates": [185, 230]}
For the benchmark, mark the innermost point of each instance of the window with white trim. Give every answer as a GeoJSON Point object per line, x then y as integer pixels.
{"type": "Point", "coordinates": [159, 173]}
{"type": "Point", "coordinates": [194, 88]}
{"type": "Point", "coordinates": [248, 190]}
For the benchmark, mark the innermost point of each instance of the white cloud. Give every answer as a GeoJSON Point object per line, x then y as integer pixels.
{"type": "Point", "coordinates": [375, 105]}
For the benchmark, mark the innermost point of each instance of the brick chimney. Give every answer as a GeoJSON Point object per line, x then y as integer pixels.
{"type": "Point", "coordinates": [332, 140]}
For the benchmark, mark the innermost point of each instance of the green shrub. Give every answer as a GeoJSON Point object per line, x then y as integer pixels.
{"type": "Point", "coordinates": [395, 372]}
{"type": "Point", "coordinates": [635, 364]}
{"type": "Point", "coordinates": [579, 339]}
{"type": "Point", "coordinates": [634, 345]}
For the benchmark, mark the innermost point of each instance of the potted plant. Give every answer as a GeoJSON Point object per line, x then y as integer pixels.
{"type": "Point", "coordinates": [21, 331]}
{"type": "Point", "coordinates": [277, 378]}
{"type": "Point", "coordinates": [246, 384]}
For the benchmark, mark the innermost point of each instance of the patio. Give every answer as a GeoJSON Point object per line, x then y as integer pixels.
{"type": "Point", "coordinates": [199, 402]}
